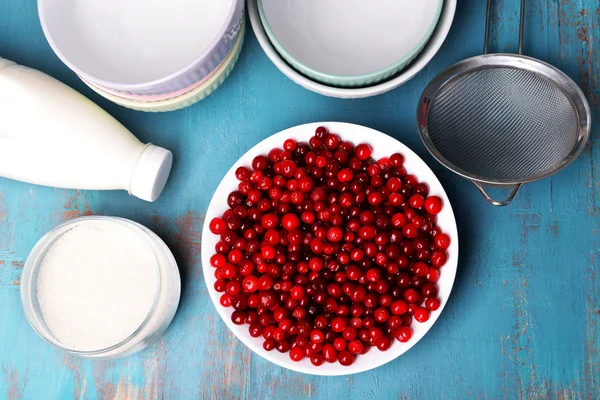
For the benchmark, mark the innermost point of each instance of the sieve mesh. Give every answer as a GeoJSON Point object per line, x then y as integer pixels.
{"type": "Point", "coordinates": [502, 123]}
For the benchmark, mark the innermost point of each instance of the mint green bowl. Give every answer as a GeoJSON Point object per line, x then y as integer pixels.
{"type": "Point", "coordinates": [349, 43]}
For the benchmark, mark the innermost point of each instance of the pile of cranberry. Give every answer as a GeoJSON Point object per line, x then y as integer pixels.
{"type": "Point", "coordinates": [325, 252]}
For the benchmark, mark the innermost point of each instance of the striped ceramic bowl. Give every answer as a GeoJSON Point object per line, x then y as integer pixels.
{"type": "Point", "coordinates": [169, 47]}
{"type": "Point", "coordinates": [187, 99]}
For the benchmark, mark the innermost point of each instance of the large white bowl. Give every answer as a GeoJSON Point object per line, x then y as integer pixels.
{"type": "Point", "coordinates": [146, 47]}
{"type": "Point", "coordinates": [188, 98]}
{"type": "Point", "coordinates": [432, 47]}
{"type": "Point", "coordinates": [383, 145]}
{"type": "Point", "coordinates": [349, 43]}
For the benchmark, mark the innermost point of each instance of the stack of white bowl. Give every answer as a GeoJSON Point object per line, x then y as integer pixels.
{"type": "Point", "coordinates": [148, 55]}
{"type": "Point", "coordinates": [351, 48]}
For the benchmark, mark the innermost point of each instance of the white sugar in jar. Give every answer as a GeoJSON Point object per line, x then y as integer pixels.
{"type": "Point", "coordinates": [100, 287]}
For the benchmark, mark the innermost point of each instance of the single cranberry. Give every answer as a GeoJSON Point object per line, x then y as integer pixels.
{"type": "Point", "coordinates": [433, 274]}
{"type": "Point", "coordinates": [433, 205]}
{"type": "Point", "coordinates": [269, 344]}
{"type": "Point", "coordinates": [338, 324]}
{"type": "Point", "coordinates": [250, 284]}
{"type": "Point", "coordinates": [225, 300]}
{"type": "Point", "coordinates": [317, 359]}
{"type": "Point", "coordinates": [416, 201]}
{"type": "Point", "coordinates": [394, 322]}
{"type": "Point", "coordinates": [260, 163]}
{"type": "Point", "coordinates": [419, 268]}
{"type": "Point", "coordinates": [403, 334]}
{"type": "Point", "coordinates": [432, 304]}
{"type": "Point", "coordinates": [335, 234]}
{"type": "Point", "coordinates": [317, 336]}
{"type": "Point", "coordinates": [381, 314]}
{"type": "Point", "coordinates": [396, 199]}
{"type": "Point", "coordinates": [438, 258]}
{"type": "Point", "coordinates": [350, 332]}
{"type": "Point", "coordinates": [238, 317]}
{"type": "Point", "coordinates": [362, 151]}
{"type": "Point", "coordinates": [442, 241]}
{"type": "Point", "coordinates": [410, 231]}
{"type": "Point", "coordinates": [412, 296]}
{"type": "Point", "coordinates": [289, 145]}
{"type": "Point", "coordinates": [384, 343]}
{"type": "Point", "coordinates": [399, 307]}
{"type": "Point", "coordinates": [283, 346]}
{"type": "Point", "coordinates": [429, 290]}
{"type": "Point", "coordinates": [330, 353]}
{"type": "Point", "coordinates": [421, 314]}
{"type": "Point", "coordinates": [290, 222]}
{"type": "Point", "coordinates": [296, 354]}
{"type": "Point", "coordinates": [346, 358]}
{"type": "Point", "coordinates": [217, 226]}
{"type": "Point", "coordinates": [218, 260]}
{"type": "Point", "coordinates": [355, 346]}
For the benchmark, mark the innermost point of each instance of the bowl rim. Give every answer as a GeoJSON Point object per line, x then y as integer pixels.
{"type": "Point", "coordinates": [218, 204]}
{"type": "Point", "coordinates": [141, 85]}
{"type": "Point", "coordinates": [431, 48]}
{"type": "Point", "coordinates": [174, 101]}
{"type": "Point", "coordinates": [349, 79]}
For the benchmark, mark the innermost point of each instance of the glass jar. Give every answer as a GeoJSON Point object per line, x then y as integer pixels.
{"type": "Point", "coordinates": [166, 292]}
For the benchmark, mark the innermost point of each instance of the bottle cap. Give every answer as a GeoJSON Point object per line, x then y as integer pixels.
{"type": "Point", "coordinates": [151, 173]}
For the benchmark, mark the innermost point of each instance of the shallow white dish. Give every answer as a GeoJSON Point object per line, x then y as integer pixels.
{"type": "Point", "coordinates": [383, 145]}
{"type": "Point", "coordinates": [349, 42]}
{"type": "Point", "coordinates": [432, 47]}
{"type": "Point", "coordinates": [141, 46]}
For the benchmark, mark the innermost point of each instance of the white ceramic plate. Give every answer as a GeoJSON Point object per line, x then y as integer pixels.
{"type": "Point", "coordinates": [432, 47]}
{"type": "Point", "coordinates": [136, 43]}
{"type": "Point", "coordinates": [349, 42]}
{"type": "Point", "coordinates": [383, 145]}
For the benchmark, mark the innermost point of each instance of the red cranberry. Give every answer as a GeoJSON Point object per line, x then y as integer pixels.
{"type": "Point", "coordinates": [345, 357]}
{"type": "Point", "coordinates": [412, 296]}
{"type": "Point", "coordinates": [438, 258]}
{"type": "Point", "coordinates": [317, 359]}
{"type": "Point", "coordinates": [296, 354]}
{"type": "Point", "coordinates": [432, 304]}
{"type": "Point", "coordinates": [403, 334]}
{"type": "Point", "coordinates": [421, 314]}
{"type": "Point", "coordinates": [330, 353]}
{"type": "Point", "coordinates": [433, 205]}
{"type": "Point", "coordinates": [442, 241]}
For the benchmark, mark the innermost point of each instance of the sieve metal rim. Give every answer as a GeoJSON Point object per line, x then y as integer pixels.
{"type": "Point", "coordinates": [501, 60]}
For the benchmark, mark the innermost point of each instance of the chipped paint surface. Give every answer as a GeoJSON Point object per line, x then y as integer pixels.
{"type": "Point", "coordinates": [523, 320]}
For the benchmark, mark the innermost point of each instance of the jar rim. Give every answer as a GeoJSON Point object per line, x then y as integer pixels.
{"type": "Point", "coordinates": [31, 270]}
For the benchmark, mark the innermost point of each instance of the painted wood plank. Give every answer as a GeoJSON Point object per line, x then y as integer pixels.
{"type": "Point", "coordinates": [523, 319]}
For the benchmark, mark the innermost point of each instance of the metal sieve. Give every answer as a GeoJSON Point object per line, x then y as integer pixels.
{"type": "Point", "coordinates": [503, 120]}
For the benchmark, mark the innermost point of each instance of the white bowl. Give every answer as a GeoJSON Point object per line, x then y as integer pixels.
{"type": "Point", "coordinates": [188, 98]}
{"type": "Point", "coordinates": [432, 47]}
{"type": "Point", "coordinates": [383, 145]}
{"type": "Point", "coordinates": [145, 47]}
{"type": "Point", "coordinates": [349, 43]}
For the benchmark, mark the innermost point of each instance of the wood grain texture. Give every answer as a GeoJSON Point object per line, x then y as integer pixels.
{"type": "Point", "coordinates": [523, 321]}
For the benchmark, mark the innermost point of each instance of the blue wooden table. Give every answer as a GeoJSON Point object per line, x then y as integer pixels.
{"type": "Point", "coordinates": [523, 320]}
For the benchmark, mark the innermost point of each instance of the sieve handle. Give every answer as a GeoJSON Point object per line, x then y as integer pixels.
{"type": "Point", "coordinates": [487, 26]}
{"type": "Point", "coordinates": [490, 200]}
